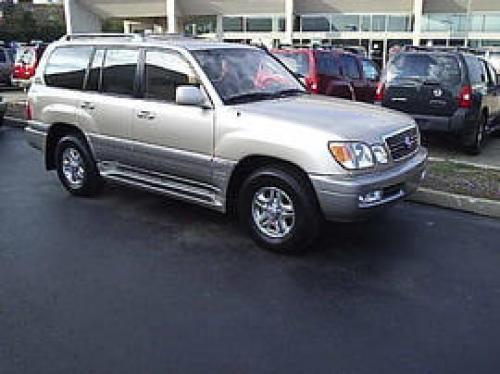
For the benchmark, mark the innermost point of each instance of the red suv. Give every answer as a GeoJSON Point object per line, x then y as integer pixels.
{"type": "Point", "coordinates": [330, 72]}
{"type": "Point", "coordinates": [27, 59]}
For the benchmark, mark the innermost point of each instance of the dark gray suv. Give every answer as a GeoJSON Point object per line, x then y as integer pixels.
{"type": "Point", "coordinates": [444, 91]}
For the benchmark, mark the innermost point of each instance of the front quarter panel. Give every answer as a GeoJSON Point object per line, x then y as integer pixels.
{"type": "Point", "coordinates": [239, 135]}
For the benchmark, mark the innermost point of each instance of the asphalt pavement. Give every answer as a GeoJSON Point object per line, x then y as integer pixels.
{"type": "Point", "coordinates": [136, 283]}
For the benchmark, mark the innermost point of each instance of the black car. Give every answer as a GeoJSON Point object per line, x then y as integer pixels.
{"type": "Point", "coordinates": [447, 91]}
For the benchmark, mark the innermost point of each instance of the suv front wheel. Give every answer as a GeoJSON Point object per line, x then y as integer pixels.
{"type": "Point", "coordinates": [279, 210]}
{"type": "Point", "coordinates": [76, 167]}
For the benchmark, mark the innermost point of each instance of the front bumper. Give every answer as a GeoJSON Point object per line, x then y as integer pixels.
{"type": "Point", "coordinates": [339, 196]}
{"type": "Point", "coordinates": [36, 135]}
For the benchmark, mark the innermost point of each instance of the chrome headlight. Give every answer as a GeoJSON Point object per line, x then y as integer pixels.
{"type": "Point", "coordinates": [352, 155]}
{"type": "Point", "coordinates": [380, 154]}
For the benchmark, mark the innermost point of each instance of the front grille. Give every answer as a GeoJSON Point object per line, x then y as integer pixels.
{"type": "Point", "coordinates": [403, 144]}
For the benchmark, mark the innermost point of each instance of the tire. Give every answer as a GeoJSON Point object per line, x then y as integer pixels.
{"type": "Point", "coordinates": [76, 167]}
{"type": "Point", "coordinates": [284, 204]}
{"type": "Point", "coordinates": [474, 142]}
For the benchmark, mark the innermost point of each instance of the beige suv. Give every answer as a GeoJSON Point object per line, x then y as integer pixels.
{"type": "Point", "coordinates": [221, 125]}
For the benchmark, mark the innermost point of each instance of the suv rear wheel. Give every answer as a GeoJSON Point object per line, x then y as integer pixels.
{"type": "Point", "coordinates": [474, 142]}
{"type": "Point", "coordinates": [76, 167]}
{"type": "Point", "coordinates": [279, 210]}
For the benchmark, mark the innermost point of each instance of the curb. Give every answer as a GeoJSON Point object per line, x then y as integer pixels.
{"type": "Point", "coordinates": [479, 206]}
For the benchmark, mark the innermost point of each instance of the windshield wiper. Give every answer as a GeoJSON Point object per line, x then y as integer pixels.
{"type": "Point", "coordinates": [290, 92]}
{"type": "Point", "coordinates": [248, 97]}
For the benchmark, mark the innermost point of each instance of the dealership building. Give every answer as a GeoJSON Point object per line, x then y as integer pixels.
{"type": "Point", "coordinates": [378, 25]}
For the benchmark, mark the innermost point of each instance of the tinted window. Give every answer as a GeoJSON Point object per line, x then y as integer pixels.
{"type": "Point", "coordinates": [476, 70]}
{"type": "Point", "coordinates": [94, 77]}
{"type": "Point", "coordinates": [328, 65]}
{"type": "Point", "coordinates": [423, 67]}
{"type": "Point", "coordinates": [67, 67]}
{"type": "Point", "coordinates": [3, 57]}
{"type": "Point", "coordinates": [165, 71]}
{"type": "Point", "coordinates": [296, 62]}
{"type": "Point", "coordinates": [350, 66]}
{"type": "Point", "coordinates": [118, 74]}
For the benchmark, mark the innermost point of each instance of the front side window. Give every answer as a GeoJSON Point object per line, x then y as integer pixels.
{"type": "Point", "coordinates": [242, 75]}
{"type": "Point", "coordinates": [350, 66]}
{"type": "Point", "coordinates": [67, 67]}
{"type": "Point", "coordinates": [164, 72]}
{"type": "Point", "coordinates": [119, 72]}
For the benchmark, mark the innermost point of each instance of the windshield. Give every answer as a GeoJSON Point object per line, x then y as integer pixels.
{"type": "Point", "coordinates": [242, 75]}
{"type": "Point", "coordinates": [26, 56]}
{"type": "Point", "coordinates": [296, 62]}
{"type": "Point", "coordinates": [425, 68]}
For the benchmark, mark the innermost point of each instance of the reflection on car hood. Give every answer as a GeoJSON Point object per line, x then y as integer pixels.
{"type": "Point", "coordinates": [345, 119]}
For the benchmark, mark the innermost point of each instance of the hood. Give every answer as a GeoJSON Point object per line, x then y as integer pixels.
{"type": "Point", "coordinates": [341, 119]}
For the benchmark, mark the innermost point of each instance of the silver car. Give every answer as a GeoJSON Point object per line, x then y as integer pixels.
{"type": "Point", "coordinates": [224, 126]}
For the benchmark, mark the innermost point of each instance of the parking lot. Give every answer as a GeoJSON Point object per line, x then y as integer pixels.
{"type": "Point", "coordinates": [131, 282]}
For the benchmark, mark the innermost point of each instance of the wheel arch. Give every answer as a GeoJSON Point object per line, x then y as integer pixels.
{"type": "Point", "coordinates": [55, 133]}
{"type": "Point", "coordinates": [252, 163]}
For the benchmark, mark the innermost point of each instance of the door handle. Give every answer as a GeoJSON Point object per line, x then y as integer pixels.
{"type": "Point", "coordinates": [87, 105]}
{"type": "Point", "coordinates": [144, 114]}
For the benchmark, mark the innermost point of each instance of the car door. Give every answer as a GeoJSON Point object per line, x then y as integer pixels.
{"type": "Point", "coordinates": [106, 106]}
{"type": "Point", "coordinates": [352, 73]}
{"type": "Point", "coordinates": [170, 138]}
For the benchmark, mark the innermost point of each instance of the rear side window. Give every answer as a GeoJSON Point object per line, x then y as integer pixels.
{"type": "Point", "coordinates": [424, 67]}
{"type": "Point", "coordinates": [328, 65]}
{"type": "Point", "coordinates": [3, 57]}
{"type": "Point", "coordinates": [296, 62]}
{"type": "Point", "coordinates": [119, 71]}
{"type": "Point", "coordinates": [350, 66]}
{"type": "Point", "coordinates": [67, 67]}
{"type": "Point", "coordinates": [477, 72]}
{"type": "Point", "coordinates": [165, 71]}
{"type": "Point", "coordinates": [371, 71]}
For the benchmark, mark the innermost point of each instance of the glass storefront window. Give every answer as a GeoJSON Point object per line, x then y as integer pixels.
{"type": "Point", "coordinates": [345, 22]}
{"type": "Point", "coordinates": [315, 23]}
{"type": "Point", "coordinates": [492, 22]}
{"type": "Point", "coordinates": [281, 24]}
{"type": "Point", "coordinates": [259, 24]}
{"type": "Point", "coordinates": [234, 24]}
{"type": "Point", "coordinates": [399, 23]}
{"type": "Point", "coordinates": [366, 23]}
{"type": "Point", "coordinates": [378, 22]}
{"type": "Point", "coordinates": [197, 25]}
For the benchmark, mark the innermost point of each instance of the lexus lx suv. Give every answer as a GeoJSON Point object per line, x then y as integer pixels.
{"type": "Point", "coordinates": [224, 126]}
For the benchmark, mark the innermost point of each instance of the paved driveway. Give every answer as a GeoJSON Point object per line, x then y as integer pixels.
{"type": "Point", "coordinates": [136, 283]}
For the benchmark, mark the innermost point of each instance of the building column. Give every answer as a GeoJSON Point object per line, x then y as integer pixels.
{"type": "Point", "coordinates": [172, 16]}
{"type": "Point", "coordinates": [289, 17]}
{"type": "Point", "coordinates": [219, 28]}
{"type": "Point", "coordinates": [418, 10]}
{"type": "Point", "coordinates": [80, 19]}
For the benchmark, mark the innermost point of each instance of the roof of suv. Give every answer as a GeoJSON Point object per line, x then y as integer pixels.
{"type": "Point", "coordinates": [148, 40]}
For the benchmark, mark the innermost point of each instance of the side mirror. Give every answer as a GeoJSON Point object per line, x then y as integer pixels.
{"type": "Point", "coordinates": [190, 95]}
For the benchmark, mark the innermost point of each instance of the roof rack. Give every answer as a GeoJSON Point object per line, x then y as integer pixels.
{"type": "Point", "coordinates": [70, 37]}
{"type": "Point", "coordinates": [412, 48]}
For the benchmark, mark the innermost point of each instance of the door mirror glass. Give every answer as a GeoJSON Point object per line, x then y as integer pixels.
{"type": "Point", "coordinates": [189, 95]}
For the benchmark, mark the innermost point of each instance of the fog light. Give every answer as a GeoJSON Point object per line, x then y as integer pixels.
{"type": "Point", "coordinates": [371, 197]}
